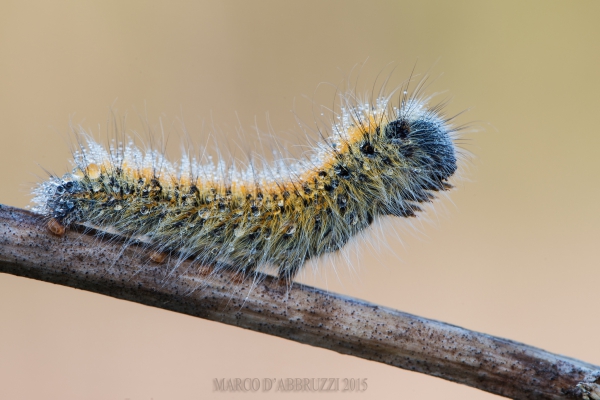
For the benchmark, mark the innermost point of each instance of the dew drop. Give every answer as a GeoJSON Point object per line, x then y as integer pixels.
{"type": "Point", "coordinates": [68, 178]}
{"type": "Point", "coordinates": [204, 214]}
{"type": "Point", "coordinates": [93, 171]}
{"type": "Point", "coordinates": [78, 174]}
{"type": "Point", "coordinates": [291, 229]}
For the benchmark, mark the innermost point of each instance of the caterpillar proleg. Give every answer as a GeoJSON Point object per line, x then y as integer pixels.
{"type": "Point", "coordinates": [379, 158]}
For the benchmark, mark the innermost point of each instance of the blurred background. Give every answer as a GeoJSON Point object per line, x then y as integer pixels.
{"type": "Point", "coordinates": [513, 251]}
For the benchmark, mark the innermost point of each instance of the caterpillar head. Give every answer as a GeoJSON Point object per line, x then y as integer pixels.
{"type": "Point", "coordinates": [56, 198]}
{"type": "Point", "coordinates": [425, 143]}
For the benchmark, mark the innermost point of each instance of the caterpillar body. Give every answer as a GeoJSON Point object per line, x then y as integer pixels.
{"type": "Point", "coordinates": [378, 159]}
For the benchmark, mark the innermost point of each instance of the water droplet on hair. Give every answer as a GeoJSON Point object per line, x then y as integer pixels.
{"type": "Point", "coordinates": [291, 229]}
{"type": "Point", "coordinates": [204, 214]}
{"type": "Point", "coordinates": [93, 171]}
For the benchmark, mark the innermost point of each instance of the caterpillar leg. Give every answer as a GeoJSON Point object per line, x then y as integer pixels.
{"type": "Point", "coordinates": [56, 227]}
{"type": "Point", "coordinates": [287, 273]}
{"type": "Point", "coordinates": [248, 271]}
{"type": "Point", "coordinates": [205, 270]}
{"type": "Point", "coordinates": [157, 257]}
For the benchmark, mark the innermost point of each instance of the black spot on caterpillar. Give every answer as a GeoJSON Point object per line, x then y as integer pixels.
{"type": "Point", "coordinates": [382, 158]}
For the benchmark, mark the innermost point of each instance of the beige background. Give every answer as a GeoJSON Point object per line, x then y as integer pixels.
{"type": "Point", "coordinates": [513, 252]}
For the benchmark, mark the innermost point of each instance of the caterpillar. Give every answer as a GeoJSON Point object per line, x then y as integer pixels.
{"type": "Point", "coordinates": [379, 158]}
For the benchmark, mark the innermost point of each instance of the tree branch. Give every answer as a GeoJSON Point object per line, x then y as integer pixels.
{"type": "Point", "coordinates": [303, 314]}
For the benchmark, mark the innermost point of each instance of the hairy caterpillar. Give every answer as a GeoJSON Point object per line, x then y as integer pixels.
{"type": "Point", "coordinates": [380, 158]}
